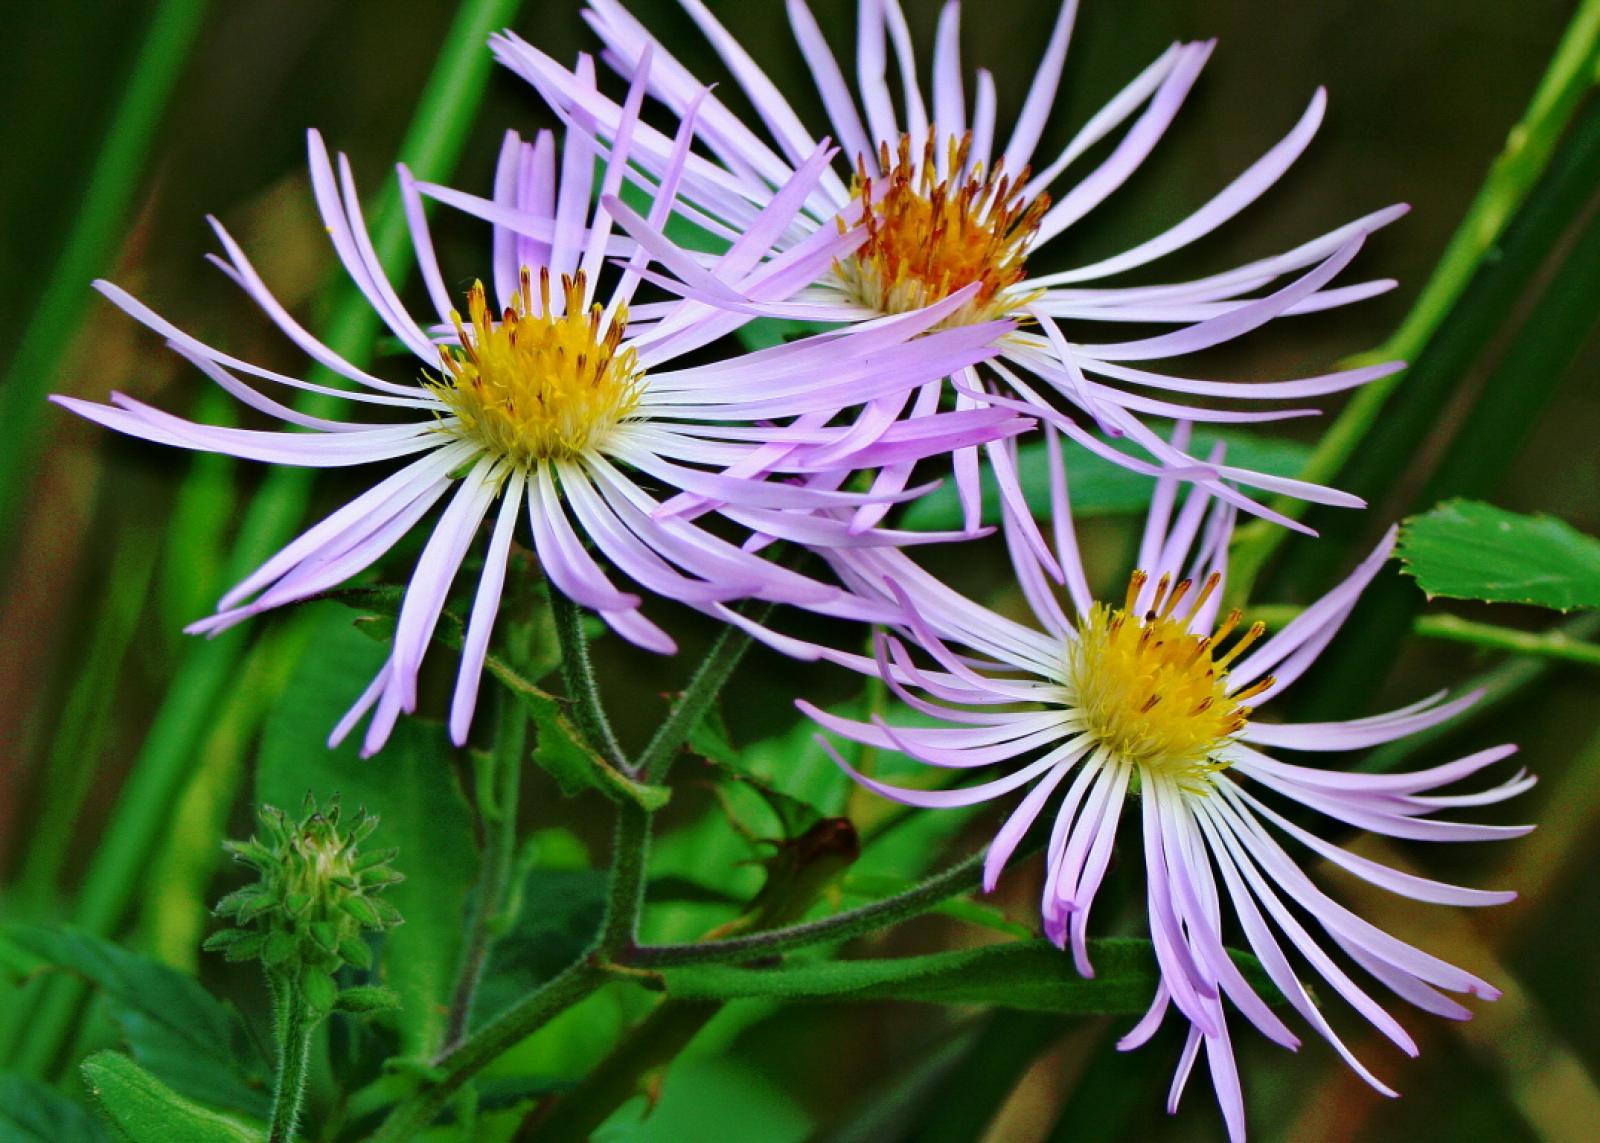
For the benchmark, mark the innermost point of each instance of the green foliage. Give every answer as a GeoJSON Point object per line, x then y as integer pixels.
{"type": "Point", "coordinates": [145, 1110]}
{"type": "Point", "coordinates": [411, 786]}
{"type": "Point", "coordinates": [33, 1112]}
{"type": "Point", "coordinates": [1031, 975]}
{"type": "Point", "coordinates": [560, 914]}
{"type": "Point", "coordinates": [1464, 549]}
{"type": "Point", "coordinates": [173, 1026]}
{"type": "Point", "coordinates": [1098, 487]}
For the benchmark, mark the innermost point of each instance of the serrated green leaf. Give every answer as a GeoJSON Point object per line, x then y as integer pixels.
{"type": "Point", "coordinates": [411, 785]}
{"type": "Point", "coordinates": [145, 1110]}
{"type": "Point", "coordinates": [563, 753]}
{"type": "Point", "coordinates": [34, 1112]}
{"type": "Point", "coordinates": [1030, 975]}
{"type": "Point", "coordinates": [1464, 549]}
{"type": "Point", "coordinates": [172, 1025]}
{"type": "Point", "coordinates": [1100, 488]}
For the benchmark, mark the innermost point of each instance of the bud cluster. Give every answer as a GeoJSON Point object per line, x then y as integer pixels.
{"type": "Point", "coordinates": [315, 898]}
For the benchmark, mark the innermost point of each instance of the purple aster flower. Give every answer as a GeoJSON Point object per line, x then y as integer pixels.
{"type": "Point", "coordinates": [943, 203]}
{"type": "Point", "coordinates": [560, 401]}
{"type": "Point", "coordinates": [1152, 704]}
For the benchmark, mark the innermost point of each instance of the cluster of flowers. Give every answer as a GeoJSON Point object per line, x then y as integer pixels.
{"type": "Point", "coordinates": [626, 428]}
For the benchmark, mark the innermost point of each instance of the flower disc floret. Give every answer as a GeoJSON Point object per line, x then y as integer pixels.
{"type": "Point", "coordinates": [928, 237]}
{"type": "Point", "coordinates": [1153, 693]}
{"type": "Point", "coordinates": [534, 383]}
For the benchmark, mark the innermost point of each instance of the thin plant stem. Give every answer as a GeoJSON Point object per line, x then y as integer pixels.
{"type": "Point", "coordinates": [107, 192]}
{"type": "Point", "coordinates": [294, 1023]}
{"type": "Point", "coordinates": [630, 860]}
{"type": "Point", "coordinates": [500, 1035]}
{"type": "Point", "coordinates": [1558, 644]}
{"type": "Point", "coordinates": [959, 878]}
{"type": "Point", "coordinates": [577, 672]}
{"type": "Point", "coordinates": [431, 147]}
{"type": "Point", "coordinates": [1529, 148]}
{"type": "Point", "coordinates": [697, 698]}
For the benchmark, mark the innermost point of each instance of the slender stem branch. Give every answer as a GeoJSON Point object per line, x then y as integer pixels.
{"type": "Point", "coordinates": [500, 1035]}
{"type": "Point", "coordinates": [959, 878]}
{"type": "Point", "coordinates": [577, 672]}
{"type": "Point", "coordinates": [294, 1022]}
{"type": "Point", "coordinates": [704, 686]}
{"type": "Point", "coordinates": [630, 857]}
{"type": "Point", "coordinates": [1557, 644]}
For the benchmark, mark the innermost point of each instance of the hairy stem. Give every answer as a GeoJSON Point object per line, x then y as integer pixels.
{"type": "Point", "coordinates": [577, 672]}
{"type": "Point", "coordinates": [959, 878]}
{"type": "Point", "coordinates": [293, 1022]}
{"type": "Point", "coordinates": [704, 686]}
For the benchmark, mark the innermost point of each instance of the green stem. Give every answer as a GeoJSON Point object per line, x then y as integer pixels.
{"type": "Point", "coordinates": [1528, 150]}
{"type": "Point", "coordinates": [95, 232]}
{"type": "Point", "coordinates": [577, 672]}
{"type": "Point", "coordinates": [294, 1023]}
{"type": "Point", "coordinates": [630, 861]}
{"type": "Point", "coordinates": [1557, 644]}
{"type": "Point", "coordinates": [500, 1035]}
{"type": "Point", "coordinates": [432, 144]}
{"type": "Point", "coordinates": [959, 878]}
{"type": "Point", "coordinates": [499, 788]}
{"type": "Point", "coordinates": [697, 698]}
{"type": "Point", "coordinates": [1499, 685]}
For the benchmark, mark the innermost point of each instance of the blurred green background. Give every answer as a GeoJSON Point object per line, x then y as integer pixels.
{"type": "Point", "coordinates": [119, 543]}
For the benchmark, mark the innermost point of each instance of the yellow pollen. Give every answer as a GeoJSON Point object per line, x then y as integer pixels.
{"type": "Point", "coordinates": [929, 237]}
{"type": "Point", "coordinates": [1152, 692]}
{"type": "Point", "coordinates": [531, 385]}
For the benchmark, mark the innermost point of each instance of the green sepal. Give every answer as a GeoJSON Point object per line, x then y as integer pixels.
{"type": "Point", "coordinates": [355, 952]}
{"type": "Point", "coordinates": [320, 991]}
{"type": "Point", "coordinates": [366, 999]}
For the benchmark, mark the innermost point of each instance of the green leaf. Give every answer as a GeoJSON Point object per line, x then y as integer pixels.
{"type": "Point", "coordinates": [411, 785]}
{"type": "Point", "coordinates": [172, 1025]}
{"type": "Point", "coordinates": [563, 753]}
{"type": "Point", "coordinates": [1464, 549]}
{"type": "Point", "coordinates": [560, 914]}
{"type": "Point", "coordinates": [34, 1112]}
{"type": "Point", "coordinates": [145, 1110]}
{"type": "Point", "coordinates": [1031, 975]}
{"type": "Point", "coordinates": [1100, 488]}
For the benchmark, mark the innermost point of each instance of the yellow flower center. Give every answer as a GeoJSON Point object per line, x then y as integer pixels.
{"type": "Point", "coordinates": [1152, 692]}
{"type": "Point", "coordinates": [929, 237]}
{"type": "Point", "coordinates": [532, 385]}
